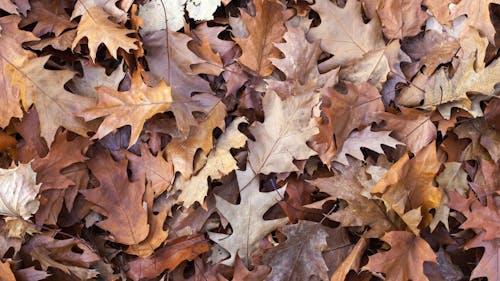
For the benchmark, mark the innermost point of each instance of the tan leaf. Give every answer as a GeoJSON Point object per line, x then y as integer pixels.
{"type": "Point", "coordinates": [265, 28]}
{"type": "Point", "coordinates": [19, 192]}
{"type": "Point", "coordinates": [109, 6]}
{"type": "Point", "coordinates": [11, 54]}
{"type": "Point", "coordinates": [364, 138]}
{"type": "Point", "coordinates": [49, 16]}
{"type": "Point", "coordinates": [132, 107]}
{"type": "Point", "coordinates": [246, 218]}
{"type": "Point", "coordinates": [405, 260]}
{"type": "Point", "coordinates": [351, 38]}
{"type": "Point", "coordinates": [70, 255]}
{"type": "Point", "coordinates": [97, 28]}
{"type": "Point", "coordinates": [478, 16]}
{"type": "Point", "coordinates": [95, 76]}
{"type": "Point", "coordinates": [220, 162]}
{"type": "Point", "coordinates": [182, 151]}
{"type": "Point", "coordinates": [55, 106]}
{"type": "Point", "coordinates": [282, 137]}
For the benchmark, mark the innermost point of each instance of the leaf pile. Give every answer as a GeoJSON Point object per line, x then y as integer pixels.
{"type": "Point", "coordinates": [249, 140]}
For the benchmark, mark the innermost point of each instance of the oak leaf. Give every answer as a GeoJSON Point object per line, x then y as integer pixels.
{"type": "Point", "coordinates": [55, 105]}
{"type": "Point", "coordinates": [351, 262]}
{"type": "Point", "coordinates": [97, 28]}
{"type": "Point", "coordinates": [11, 54]}
{"type": "Point", "coordinates": [488, 265]}
{"type": "Point", "coordinates": [411, 126]}
{"type": "Point", "coordinates": [361, 210]}
{"type": "Point", "coordinates": [49, 17]}
{"type": "Point", "coordinates": [342, 114]}
{"type": "Point", "coordinates": [405, 260]}
{"type": "Point", "coordinates": [182, 150]}
{"type": "Point", "coordinates": [478, 16]}
{"type": "Point", "coordinates": [62, 154]}
{"type": "Point", "coordinates": [9, 7]}
{"type": "Point", "coordinates": [18, 197]}
{"type": "Point", "coordinates": [95, 76]}
{"type": "Point", "coordinates": [132, 107]}
{"type": "Point", "coordinates": [109, 6]}
{"type": "Point", "coordinates": [246, 218]}
{"type": "Point", "coordinates": [351, 38]}
{"type": "Point", "coordinates": [364, 138]}
{"type": "Point", "coordinates": [452, 178]}
{"type": "Point", "coordinates": [282, 137]}
{"type": "Point", "coordinates": [408, 186]}
{"type": "Point", "coordinates": [118, 199]}
{"type": "Point", "coordinates": [70, 255]}
{"type": "Point", "coordinates": [299, 257]}
{"type": "Point", "coordinates": [265, 28]}
{"type": "Point", "coordinates": [168, 257]}
{"type": "Point", "coordinates": [399, 18]}
{"type": "Point", "coordinates": [170, 59]}
{"type": "Point", "coordinates": [219, 163]}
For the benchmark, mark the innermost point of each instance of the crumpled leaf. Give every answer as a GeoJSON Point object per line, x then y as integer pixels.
{"type": "Point", "coordinates": [246, 218]}
{"type": "Point", "coordinates": [282, 137]}
{"type": "Point", "coordinates": [18, 195]}
{"type": "Point", "coordinates": [97, 28]}
{"type": "Point", "coordinates": [299, 257]}
{"type": "Point", "coordinates": [352, 185]}
{"type": "Point", "coordinates": [61, 254]}
{"type": "Point", "coordinates": [132, 107]}
{"type": "Point", "coordinates": [405, 260]}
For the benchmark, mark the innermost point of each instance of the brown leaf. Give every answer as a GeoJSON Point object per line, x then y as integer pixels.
{"type": "Point", "coordinates": [399, 18]}
{"type": "Point", "coordinates": [411, 126]}
{"type": "Point", "coordinates": [405, 260]}
{"type": "Point", "coordinates": [132, 107]}
{"type": "Point", "coordinates": [169, 257]}
{"type": "Point", "coordinates": [182, 150]}
{"type": "Point", "coordinates": [351, 185]}
{"type": "Point", "coordinates": [265, 28]}
{"type": "Point", "coordinates": [299, 257]}
{"type": "Point", "coordinates": [408, 185]}
{"type": "Point", "coordinates": [97, 28]}
{"type": "Point", "coordinates": [351, 262]}
{"type": "Point", "coordinates": [61, 155]}
{"type": "Point", "coordinates": [118, 199]}
{"type": "Point", "coordinates": [344, 113]}
{"type": "Point", "coordinates": [50, 17]}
